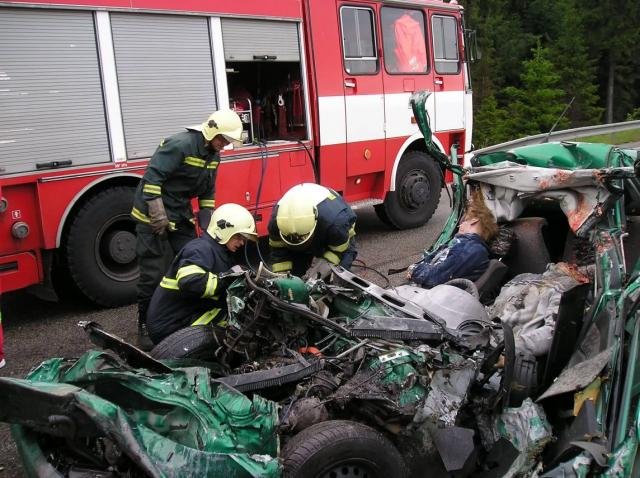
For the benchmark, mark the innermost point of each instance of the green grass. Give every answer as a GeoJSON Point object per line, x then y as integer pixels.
{"type": "Point", "coordinates": [621, 137]}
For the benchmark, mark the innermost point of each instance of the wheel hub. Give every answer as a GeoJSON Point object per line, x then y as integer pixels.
{"type": "Point", "coordinates": [415, 190]}
{"type": "Point", "coordinates": [121, 246]}
{"type": "Point", "coordinates": [349, 470]}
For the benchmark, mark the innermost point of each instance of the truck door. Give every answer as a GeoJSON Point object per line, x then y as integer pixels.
{"type": "Point", "coordinates": [448, 80]}
{"type": "Point", "coordinates": [363, 89]}
{"type": "Point", "coordinates": [407, 68]}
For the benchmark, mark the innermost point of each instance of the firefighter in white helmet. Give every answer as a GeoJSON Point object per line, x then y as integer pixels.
{"type": "Point", "coordinates": [183, 167]}
{"type": "Point", "coordinates": [192, 292]}
{"type": "Point", "coordinates": [311, 221]}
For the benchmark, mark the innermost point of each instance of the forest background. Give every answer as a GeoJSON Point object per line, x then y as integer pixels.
{"type": "Point", "coordinates": [539, 54]}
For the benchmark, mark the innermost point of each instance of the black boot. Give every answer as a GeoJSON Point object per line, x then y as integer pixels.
{"type": "Point", "coordinates": [144, 342]}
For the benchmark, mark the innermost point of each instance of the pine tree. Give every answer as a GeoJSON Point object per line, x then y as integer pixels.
{"type": "Point", "coordinates": [537, 105]}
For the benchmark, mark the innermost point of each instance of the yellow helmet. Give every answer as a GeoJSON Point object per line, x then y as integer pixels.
{"type": "Point", "coordinates": [230, 219]}
{"type": "Point", "coordinates": [297, 214]}
{"type": "Point", "coordinates": [224, 122]}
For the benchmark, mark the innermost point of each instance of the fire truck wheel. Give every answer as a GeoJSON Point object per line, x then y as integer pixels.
{"type": "Point", "coordinates": [417, 194]}
{"type": "Point", "coordinates": [342, 448]}
{"type": "Point", "coordinates": [100, 248]}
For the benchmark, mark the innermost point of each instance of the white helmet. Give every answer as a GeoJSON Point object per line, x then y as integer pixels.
{"type": "Point", "coordinates": [224, 122]}
{"type": "Point", "coordinates": [230, 219]}
{"type": "Point", "coordinates": [297, 214]}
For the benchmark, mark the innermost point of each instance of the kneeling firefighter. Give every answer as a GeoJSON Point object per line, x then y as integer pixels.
{"type": "Point", "coordinates": [311, 221]}
{"type": "Point", "coordinates": [193, 290]}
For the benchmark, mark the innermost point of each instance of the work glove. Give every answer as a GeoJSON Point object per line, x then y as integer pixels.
{"type": "Point", "coordinates": [159, 221]}
{"type": "Point", "coordinates": [204, 218]}
{"type": "Point", "coordinates": [320, 269]}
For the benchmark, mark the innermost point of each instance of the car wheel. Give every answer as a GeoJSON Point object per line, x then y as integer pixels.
{"type": "Point", "coordinates": [196, 342]}
{"type": "Point", "coordinates": [340, 448]}
{"type": "Point", "coordinates": [100, 248]}
{"type": "Point", "coordinates": [417, 194]}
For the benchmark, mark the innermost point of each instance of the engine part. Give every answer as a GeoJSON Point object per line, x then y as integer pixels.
{"type": "Point", "coordinates": [402, 328]}
{"type": "Point", "coordinates": [246, 382]}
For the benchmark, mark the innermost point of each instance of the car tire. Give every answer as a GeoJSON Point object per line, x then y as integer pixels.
{"type": "Point", "coordinates": [417, 192]}
{"type": "Point", "coordinates": [100, 248]}
{"type": "Point", "coordinates": [341, 448]}
{"type": "Point", "coordinates": [196, 342]}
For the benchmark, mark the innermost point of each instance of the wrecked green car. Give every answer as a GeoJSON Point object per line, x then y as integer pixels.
{"type": "Point", "coordinates": [529, 371]}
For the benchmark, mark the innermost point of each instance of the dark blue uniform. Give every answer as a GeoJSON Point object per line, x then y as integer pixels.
{"type": "Point", "coordinates": [333, 238]}
{"type": "Point", "coordinates": [466, 256]}
{"type": "Point", "coordinates": [190, 293]}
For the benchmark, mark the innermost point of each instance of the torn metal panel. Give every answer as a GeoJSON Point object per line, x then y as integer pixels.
{"type": "Point", "coordinates": [449, 388]}
{"type": "Point", "coordinates": [527, 428]}
{"type": "Point", "coordinates": [578, 376]}
{"type": "Point", "coordinates": [173, 424]}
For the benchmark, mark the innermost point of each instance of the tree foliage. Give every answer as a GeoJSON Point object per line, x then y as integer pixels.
{"type": "Point", "coordinates": [540, 55]}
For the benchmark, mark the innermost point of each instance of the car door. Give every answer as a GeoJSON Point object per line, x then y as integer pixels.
{"type": "Point", "coordinates": [363, 89]}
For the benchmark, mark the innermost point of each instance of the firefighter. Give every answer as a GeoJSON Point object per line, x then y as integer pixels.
{"type": "Point", "coordinates": [192, 291]}
{"type": "Point", "coordinates": [183, 167]}
{"type": "Point", "coordinates": [311, 221]}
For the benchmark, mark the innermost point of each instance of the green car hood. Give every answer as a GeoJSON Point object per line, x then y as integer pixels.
{"type": "Point", "coordinates": [181, 423]}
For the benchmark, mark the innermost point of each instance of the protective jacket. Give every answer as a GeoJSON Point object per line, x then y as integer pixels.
{"type": "Point", "coordinates": [466, 256]}
{"type": "Point", "coordinates": [333, 237]}
{"type": "Point", "coordinates": [182, 167]}
{"type": "Point", "coordinates": [190, 293]}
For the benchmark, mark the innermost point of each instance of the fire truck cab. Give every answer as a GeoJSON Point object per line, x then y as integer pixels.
{"type": "Point", "coordinates": [88, 88]}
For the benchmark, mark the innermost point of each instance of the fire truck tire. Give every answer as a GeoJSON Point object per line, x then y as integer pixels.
{"type": "Point", "coordinates": [341, 448]}
{"type": "Point", "coordinates": [100, 248]}
{"type": "Point", "coordinates": [417, 194]}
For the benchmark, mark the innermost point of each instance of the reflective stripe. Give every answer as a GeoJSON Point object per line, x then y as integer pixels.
{"type": "Point", "coordinates": [276, 243]}
{"type": "Point", "coordinates": [168, 283]}
{"type": "Point", "coordinates": [193, 161]}
{"type": "Point", "coordinates": [152, 189]}
{"type": "Point", "coordinates": [188, 271]}
{"type": "Point", "coordinates": [172, 226]}
{"type": "Point", "coordinates": [343, 247]}
{"type": "Point", "coordinates": [210, 203]}
{"type": "Point", "coordinates": [137, 214]}
{"type": "Point", "coordinates": [207, 317]}
{"type": "Point", "coordinates": [213, 165]}
{"type": "Point", "coordinates": [282, 266]}
{"type": "Point", "coordinates": [212, 284]}
{"type": "Point", "coordinates": [331, 257]}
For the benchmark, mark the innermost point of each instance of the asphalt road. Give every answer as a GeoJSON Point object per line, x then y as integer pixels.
{"type": "Point", "coordinates": [36, 330]}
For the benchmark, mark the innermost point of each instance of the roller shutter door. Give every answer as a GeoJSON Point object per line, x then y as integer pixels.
{"type": "Point", "coordinates": [245, 39]}
{"type": "Point", "coordinates": [165, 76]}
{"type": "Point", "coordinates": [51, 101]}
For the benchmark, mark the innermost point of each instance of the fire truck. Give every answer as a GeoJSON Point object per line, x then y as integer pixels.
{"type": "Point", "coordinates": [88, 88]}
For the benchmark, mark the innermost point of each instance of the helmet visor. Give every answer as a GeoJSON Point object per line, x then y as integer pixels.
{"type": "Point", "coordinates": [250, 236]}
{"type": "Point", "coordinates": [296, 239]}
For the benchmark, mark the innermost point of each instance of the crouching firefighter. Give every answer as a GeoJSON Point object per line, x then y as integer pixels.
{"type": "Point", "coordinates": [193, 290]}
{"type": "Point", "coordinates": [311, 221]}
{"type": "Point", "coordinates": [183, 167]}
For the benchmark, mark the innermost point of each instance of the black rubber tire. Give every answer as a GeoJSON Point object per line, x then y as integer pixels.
{"type": "Point", "coordinates": [100, 248]}
{"type": "Point", "coordinates": [417, 194]}
{"type": "Point", "coordinates": [341, 448]}
{"type": "Point", "coordinates": [197, 342]}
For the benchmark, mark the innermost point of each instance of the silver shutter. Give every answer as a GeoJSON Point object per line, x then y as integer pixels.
{"type": "Point", "coordinates": [244, 39]}
{"type": "Point", "coordinates": [165, 76]}
{"type": "Point", "coordinates": [51, 102]}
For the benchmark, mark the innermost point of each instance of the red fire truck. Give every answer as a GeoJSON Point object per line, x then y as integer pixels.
{"type": "Point", "coordinates": [89, 87]}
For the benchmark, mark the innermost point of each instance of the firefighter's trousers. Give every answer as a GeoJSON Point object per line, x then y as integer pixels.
{"type": "Point", "coordinates": [155, 254]}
